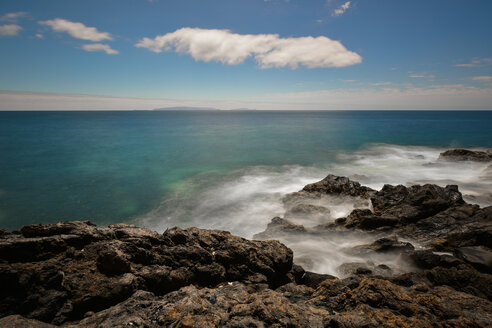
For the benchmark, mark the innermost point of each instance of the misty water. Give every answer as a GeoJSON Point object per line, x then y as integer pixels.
{"type": "Point", "coordinates": [227, 170]}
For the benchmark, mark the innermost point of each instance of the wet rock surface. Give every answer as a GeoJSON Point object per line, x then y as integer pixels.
{"type": "Point", "coordinates": [75, 274]}
{"type": "Point", "coordinates": [466, 155]}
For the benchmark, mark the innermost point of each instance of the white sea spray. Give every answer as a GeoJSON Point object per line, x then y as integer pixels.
{"type": "Point", "coordinates": [245, 201]}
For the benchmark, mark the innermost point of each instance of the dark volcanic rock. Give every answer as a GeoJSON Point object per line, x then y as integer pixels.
{"type": "Point", "coordinates": [386, 245]}
{"type": "Point", "coordinates": [56, 273]}
{"type": "Point", "coordinates": [339, 186]}
{"type": "Point", "coordinates": [466, 155]}
{"type": "Point", "coordinates": [278, 227]}
{"type": "Point", "coordinates": [478, 256]}
{"type": "Point", "coordinates": [17, 321]}
{"type": "Point", "coordinates": [78, 275]}
{"type": "Point", "coordinates": [410, 204]}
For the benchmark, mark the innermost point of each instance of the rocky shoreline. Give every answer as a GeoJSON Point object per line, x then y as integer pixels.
{"type": "Point", "coordinates": [75, 274]}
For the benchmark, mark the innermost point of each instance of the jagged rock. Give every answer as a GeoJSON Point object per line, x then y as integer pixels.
{"type": "Point", "coordinates": [339, 186]}
{"type": "Point", "coordinates": [347, 269]}
{"type": "Point", "coordinates": [384, 245]}
{"type": "Point", "coordinates": [366, 220]}
{"type": "Point", "coordinates": [466, 155]}
{"type": "Point", "coordinates": [278, 227]}
{"type": "Point", "coordinates": [60, 272]}
{"type": "Point", "coordinates": [78, 275]}
{"type": "Point", "coordinates": [4, 232]}
{"type": "Point", "coordinates": [427, 259]}
{"type": "Point", "coordinates": [410, 204]}
{"type": "Point", "coordinates": [390, 245]}
{"type": "Point", "coordinates": [478, 256]}
{"type": "Point", "coordinates": [312, 279]}
{"type": "Point", "coordinates": [112, 261]}
{"type": "Point", "coordinates": [229, 305]}
{"type": "Point", "coordinates": [376, 302]}
{"type": "Point", "coordinates": [457, 226]}
{"type": "Point", "coordinates": [17, 321]}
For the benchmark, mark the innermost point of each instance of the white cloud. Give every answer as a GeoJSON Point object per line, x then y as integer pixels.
{"type": "Point", "coordinates": [378, 84]}
{"type": "Point", "coordinates": [77, 30]}
{"type": "Point", "coordinates": [269, 50]}
{"type": "Point", "coordinates": [9, 29]}
{"type": "Point", "coordinates": [39, 36]}
{"type": "Point", "coordinates": [342, 9]}
{"type": "Point", "coordinates": [476, 62]}
{"type": "Point", "coordinates": [422, 76]}
{"type": "Point", "coordinates": [100, 47]}
{"type": "Point", "coordinates": [482, 78]}
{"type": "Point", "coordinates": [12, 17]}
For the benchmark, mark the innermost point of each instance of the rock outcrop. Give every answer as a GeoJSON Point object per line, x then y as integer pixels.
{"type": "Point", "coordinates": [62, 272]}
{"type": "Point", "coordinates": [339, 186]}
{"type": "Point", "coordinates": [466, 155]}
{"type": "Point", "coordinates": [75, 274]}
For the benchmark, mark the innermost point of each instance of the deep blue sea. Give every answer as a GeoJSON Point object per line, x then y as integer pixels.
{"type": "Point", "coordinates": [221, 169]}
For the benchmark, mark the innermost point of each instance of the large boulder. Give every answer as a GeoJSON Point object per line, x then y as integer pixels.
{"type": "Point", "coordinates": [336, 185]}
{"type": "Point", "coordinates": [466, 155]}
{"type": "Point", "coordinates": [410, 204]}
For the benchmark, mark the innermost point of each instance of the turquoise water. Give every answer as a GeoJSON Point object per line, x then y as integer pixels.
{"type": "Point", "coordinates": [121, 166]}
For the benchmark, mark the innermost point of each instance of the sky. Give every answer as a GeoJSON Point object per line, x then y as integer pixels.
{"type": "Point", "coordinates": [258, 54]}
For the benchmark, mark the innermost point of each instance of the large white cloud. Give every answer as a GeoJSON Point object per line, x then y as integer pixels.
{"type": "Point", "coordinates": [100, 47]}
{"type": "Point", "coordinates": [269, 50]}
{"type": "Point", "coordinates": [9, 29]}
{"type": "Point", "coordinates": [77, 30]}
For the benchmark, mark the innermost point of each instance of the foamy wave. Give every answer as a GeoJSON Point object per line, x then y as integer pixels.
{"type": "Point", "coordinates": [408, 165]}
{"type": "Point", "coordinates": [244, 201]}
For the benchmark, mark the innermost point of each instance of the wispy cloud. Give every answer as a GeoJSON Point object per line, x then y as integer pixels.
{"type": "Point", "coordinates": [76, 30]}
{"type": "Point", "coordinates": [450, 96]}
{"type": "Point", "coordinates": [485, 78]}
{"type": "Point", "coordinates": [269, 50]}
{"type": "Point", "coordinates": [476, 62]}
{"type": "Point", "coordinates": [9, 29]}
{"type": "Point", "coordinates": [379, 84]}
{"type": "Point", "coordinates": [422, 76]}
{"type": "Point", "coordinates": [342, 9]}
{"type": "Point", "coordinates": [100, 47]}
{"type": "Point", "coordinates": [13, 17]}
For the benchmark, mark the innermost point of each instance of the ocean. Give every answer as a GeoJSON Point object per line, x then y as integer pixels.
{"type": "Point", "coordinates": [218, 169]}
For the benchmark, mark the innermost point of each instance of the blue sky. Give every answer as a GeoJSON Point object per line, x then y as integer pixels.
{"type": "Point", "coordinates": [260, 54]}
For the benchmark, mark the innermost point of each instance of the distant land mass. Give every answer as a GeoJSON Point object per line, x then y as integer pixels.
{"type": "Point", "coordinates": [185, 108]}
{"type": "Point", "coordinates": [195, 108]}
